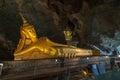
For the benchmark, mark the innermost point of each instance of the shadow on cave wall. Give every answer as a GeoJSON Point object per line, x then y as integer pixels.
{"type": "Point", "coordinates": [9, 29]}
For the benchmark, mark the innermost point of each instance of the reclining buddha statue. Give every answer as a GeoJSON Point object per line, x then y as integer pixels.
{"type": "Point", "coordinates": [32, 47]}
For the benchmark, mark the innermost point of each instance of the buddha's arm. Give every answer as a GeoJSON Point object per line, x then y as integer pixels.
{"type": "Point", "coordinates": [47, 50]}
{"type": "Point", "coordinates": [20, 45]}
{"type": "Point", "coordinates": [25, 50]}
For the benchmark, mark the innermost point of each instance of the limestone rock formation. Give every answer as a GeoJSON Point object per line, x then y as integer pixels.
{"type": "Point", "coordinates": [88, 19]}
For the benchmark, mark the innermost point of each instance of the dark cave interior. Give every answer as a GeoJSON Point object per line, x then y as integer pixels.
{"type": "Point", "coordinates": [95, 22]}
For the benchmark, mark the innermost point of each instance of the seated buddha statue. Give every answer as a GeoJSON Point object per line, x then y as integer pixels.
{"type": "Point", "coordinates": [32, 47]}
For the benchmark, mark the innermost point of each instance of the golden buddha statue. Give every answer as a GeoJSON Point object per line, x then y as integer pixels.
{"type": "Point", "coordinates": [31, 47]}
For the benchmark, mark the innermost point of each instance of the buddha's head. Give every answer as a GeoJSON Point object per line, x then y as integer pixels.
{"type": "Point", "coordinates": [28, 31]}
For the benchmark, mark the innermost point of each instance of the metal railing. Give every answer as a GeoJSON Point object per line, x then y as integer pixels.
{"type": "Point", "coordinates": [58, 67]}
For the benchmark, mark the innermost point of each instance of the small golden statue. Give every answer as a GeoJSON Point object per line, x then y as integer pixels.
{"type": "Point", "coordinates": [68, 34]}
{"type": "Point", "coordinates": [31, 47]}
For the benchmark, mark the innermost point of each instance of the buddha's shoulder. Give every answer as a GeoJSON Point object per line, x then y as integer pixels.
{"type": "Point", "coordinates": [43, 39]}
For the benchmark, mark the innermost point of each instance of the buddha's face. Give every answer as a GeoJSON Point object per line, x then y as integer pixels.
{"type": "Point", "coordinates": [30, 32]}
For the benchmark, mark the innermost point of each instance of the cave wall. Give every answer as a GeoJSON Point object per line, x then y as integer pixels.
{"type": "Point", "coordinates": [87, 19]}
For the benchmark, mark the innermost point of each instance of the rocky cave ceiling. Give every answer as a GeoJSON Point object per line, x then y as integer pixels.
{"type": "Point", "coordinates": [95, 22]}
